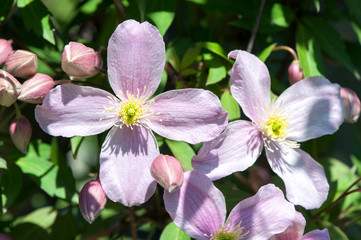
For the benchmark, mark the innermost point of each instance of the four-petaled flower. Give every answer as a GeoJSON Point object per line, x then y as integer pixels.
{"type": "Point", "coordinates": [199, 209]}
{"type": "Point", "coordinates": [308, 109]}
{"type": "Point", "coordinates": [136, 58]}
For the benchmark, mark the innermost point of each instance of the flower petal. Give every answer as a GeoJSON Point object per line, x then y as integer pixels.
{"type": "Point", "coordinates": [264, 214]}
{"type": "Point", "coordinates": [304, 178]}
{"type": "Point", "coordinates": [191, 115]}
{"type": "Point", "coordinates": [317, 235]}
{"type": "Point", "coordinates": [136, 58]}
{"type": "Point", "coordinates": [197, 207]}
{"type": "Point", "coordinates": [294, 231]}
{"type": "Point", "coordinates": [125, 162]}
{"type": "Point", "coordinates": [250, 83]}
{"type": "Point", "coordinates": [314, 106]}
{"type": "Point", "coordinates": [70, 110]}
{"type": "Point", "coordinates": [235, 149]}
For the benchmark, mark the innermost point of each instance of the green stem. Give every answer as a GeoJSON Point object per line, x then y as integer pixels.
{"type": "Point", "coordinates": [17, 110]}
{"type": "Point", "coordinates": [288, 49]}
{"type": "Point", "coordinates": [255, 27]}
{"type": "Point", "coordinates": [141, 6]}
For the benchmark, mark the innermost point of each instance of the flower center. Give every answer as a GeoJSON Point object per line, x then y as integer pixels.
{"type": "Point", "coordinates": [225, 233]}
{"type": "Point", "coordinates": [273, 126]}
{"type": "Point", "coordinates": [133, 111]}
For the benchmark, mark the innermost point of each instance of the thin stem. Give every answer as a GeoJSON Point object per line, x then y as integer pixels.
{"type": "Point", "coordinates": [120, 9]}
{"type": "Point", "coordinates": [141, 6]}
{"type": "Point", "coordinates": [17, 110]}
{"type": "Point", "coordinates": [244, 181]}
{"type": "Point", "coordinates": [288, 49]}
{"type": "Point", "coordinates": [344, 194]}
{"type": "Point", "coordinates": [348, 223]}
{"type": "Point", "coordinates": [255, 27]}
{"type": "Point", "coordinates": [133, 226]}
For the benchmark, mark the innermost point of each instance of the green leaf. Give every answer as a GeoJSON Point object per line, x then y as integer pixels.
{"type": "Point", "coordinates": [43, 217]}
{"type": "Point", "coordinates": [281, 15]}
{"type": "Point", "coordinates": [162, 20]}
{"type": "Point", "coordinates": [90, 6]}
{"type": "Point", "coordinates": [317, 5]}
{"type": "Point", "coordinates": [215, 48]}
{"type": "Point", "coordinates": [174, 60]}
{"type": "Point", "coordinates": [65, 227]}
{"type": "Point", "coordinates": [36, 17]}
{"type": "Point", "coordinates": [10, 185]}
{"type": "Point", "coordinates": [183, 152]}
{"type": "Point", "coordinates": [75, 143]}
{"type": "Point", "coordinates": [231, 106]}
{"type": "Point", "coordinates": [309, 53]}
{"type": "Point", "coordinates": [3, 164]}
{"type": "Point", "coordinates": [330, 41]}
{"type": "Point", "coordinates": [266, 52]}
{"type": "Point", "coordinates": [162, 84]}
{"type": "Point", "coordinates": [190, 56]}
{"type": "Point", "coordinates": [189, 71]}
{"type": "Point", "coordinates": [216, 74]}
{"type": "Point", "coordinates": [334, 231]}
{"type": "Point", "coordinates": [356, 162]}
{"type": "Point", "coordinates": [357, 30]}
{"type": "Point", "coordinates": [354, 8]}
{"type": "Point", "coordinates": [171, 231]}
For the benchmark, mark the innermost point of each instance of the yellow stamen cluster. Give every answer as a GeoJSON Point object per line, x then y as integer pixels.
{"type": "Point", "coordinates": [273, 126]}
{"type": "Point", "coordinates": [226, 232]}
{"type": "Point", "coordinates": [133, 111]}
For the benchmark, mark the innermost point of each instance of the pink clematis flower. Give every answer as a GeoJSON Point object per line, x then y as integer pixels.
{"type": "Point", "coordinates": [198, 208]}
{"type": "Point", "coordinates": [136, 58]}
{"type": "Point", "coordinates": [296, 229]}
{"type": "Point", "coordinates": [308, 109]}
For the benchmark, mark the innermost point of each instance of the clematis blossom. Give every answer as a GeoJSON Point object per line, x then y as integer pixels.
{"type": "Point", "coordinates": [296, 229]}
{"type": "Point", "coordinates": [198, 208]}
{"type": "Point", "coordinates": [308, 109]}
{"type": "Point", "coordinates": [136, 58]}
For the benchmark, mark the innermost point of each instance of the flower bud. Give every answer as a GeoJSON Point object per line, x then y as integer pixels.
{"type": "Point", "coordinates": [35, 88]}
{"type": "Point", "coordinates": [9, 89]}
{"type": "Point", "coordinates": [5, 50]}
{"type": "Point", "coordinates": [92, 200]}
{"type": "Point", "coordinates": [79, 61]}
{"type": "Point", "coordinates": [21, 63]}
{"type": "Point", "coordinates": [351, 104]}
{"type": "Point", "coordinates": [295, 73]}
{"type": "Point", "coordinates": [20, 133]}
{"type": "Point", "coordinates": [168, 172]}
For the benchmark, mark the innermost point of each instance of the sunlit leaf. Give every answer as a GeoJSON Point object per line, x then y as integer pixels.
{"type": "Point", "coordinates": [281, 15]}
{"type": "Point", "coordinates": [3, 164]}
{"type": "Point", "coordinates": [183, 152]}
{"type": "Point", "coordinates": [266, 52]}
{"type": "Point", "coordinates": [171, 231]}
{"type": "Point", "coordinates": [190, 56]}
{"type": "Point", "coordinates": [231, 106]}
{"type": "Point", "coordinates": [216, 74]}
{"type": "Point", "coordinates": [215, 48]}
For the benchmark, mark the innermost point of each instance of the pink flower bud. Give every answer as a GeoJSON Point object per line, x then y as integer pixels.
{"type": "Point", "coordinates": [92, 200]}
{"type": "Point", "coordinates": [5, 50]}
{"type": "Point", "coordinates": [20, 133]}
{"type": "Point", "coordinates": [295, 73]}
{"type": "Point", "coordinates": [35, 88]}
{"type": "Point", "coordinates": [79, 61]}
{"type": "Point", "coordinates": [9, 89]}
{"type": "Point", "coordinates": [21, 63]}
{"type": "Point", "coordinates": [168, 172]}
{"type": "Point", "coordinates": [351, 104]}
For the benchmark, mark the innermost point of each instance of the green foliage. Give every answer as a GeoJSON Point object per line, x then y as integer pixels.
{"type": "Point", "coordinates": [171, 231]}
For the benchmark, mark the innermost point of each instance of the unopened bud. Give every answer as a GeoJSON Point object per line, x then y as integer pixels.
{"type": "Point", "coordinates": [295, 73]}
{"type": "Point", "coordinates": [20, 133]}
{"type": "Point", "coordinates": [35, 88]}
{"type": "Point", "coordinates": [5, 50]}
{"type": "Point", "coordinates": [80, 61]}
{"type": "Point", "coordinates": [9, 88]}
{"type": "Point", "coordinates": [351, 104]}
{"type": "Point", "coordinates": [168, 172]}
{"type": "Point", "coordinates": [21, 63]}
{"type": "Point", "coordinates": [92, 200]}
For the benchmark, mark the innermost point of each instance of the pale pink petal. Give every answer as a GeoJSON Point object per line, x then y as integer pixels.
{"type": "Point", "coordinates": [314, 107]}
{"type": "Point", "coordinates": [125, 162]}
{"type": "Point", "coordinates": [264, 214]}
{"type": "Point", "coordinates": [136, 58]}
{"type": "Point", "coordinates": [70, 110]}
{"type": "Point", "coordinates": [250, 83]}
{"type": "Point", "coordinates": [236, 149]}
{"type": "Point", "coordinates": [317, 235]}
{"type": "Point", "coordinates": [294, 231]}
{"type": "Point", "coordinates": [304, 178]}
{"type": "Point", "coordinates": [191, 115]}
{"type": "Point", "coordinates": [197, 207]}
